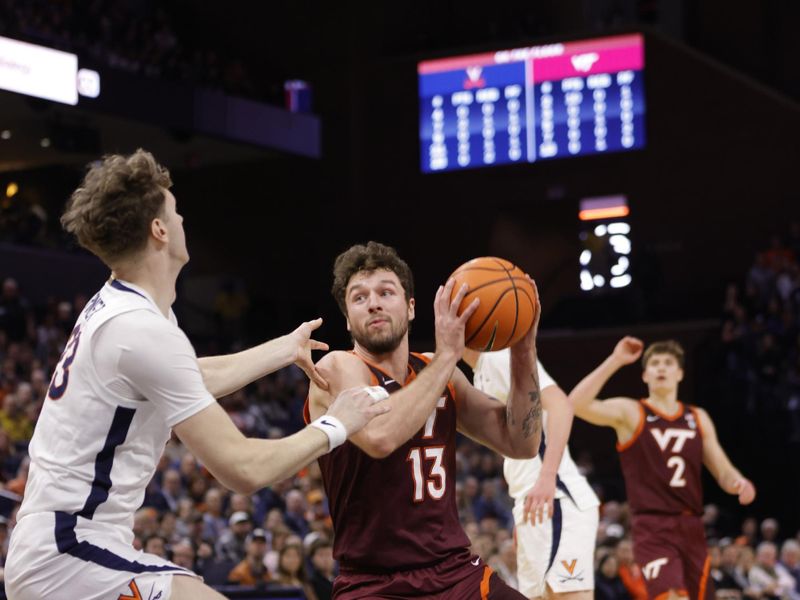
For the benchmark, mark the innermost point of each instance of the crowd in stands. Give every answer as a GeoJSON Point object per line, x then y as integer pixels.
{"type": "Point", "coordinates": [282, 535]}
{"type": "Point", "coordinates": [761, 334]}
{"type": "Point", "coordinates": [140, 38]}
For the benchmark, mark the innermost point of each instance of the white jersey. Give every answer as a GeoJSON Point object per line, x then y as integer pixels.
{"type": "Point", "coordinates": [127, 375]}
{"type": "Point", "coordinates": [493, 376]}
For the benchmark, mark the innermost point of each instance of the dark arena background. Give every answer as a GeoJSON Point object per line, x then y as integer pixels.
{"type": "Point", "coordinates": [294, 130]}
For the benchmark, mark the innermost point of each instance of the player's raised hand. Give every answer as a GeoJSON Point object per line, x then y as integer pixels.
{"type": "Point", "coordinates": [357, 406]}
{"type": "Point", "coordinates": [448, 323]}
{"type": "Point", "coordinates": [301, 338]}
{"type": "Point", "coordinates": [526, 343]}
{"type": "Point", "coordinates": [628, 350]}
{"type": "Point", "coordinates": [745, 490]}
{"type": "Point", "coordinates": [539, 501]}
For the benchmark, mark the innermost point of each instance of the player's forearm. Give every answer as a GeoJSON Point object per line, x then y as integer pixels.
{"type": "Point", "coordinates": [410, 407]}
{"type": "Point", "coordinates": [524, 406]}
{"type": "Point", "coordinates": [589, 387]}
{"type": "Point", "coordinates": [559, 424]}
{"type": "Point", "coordinates": [265, 462]}
{"type": "Point", "coordinates": [227, 373]}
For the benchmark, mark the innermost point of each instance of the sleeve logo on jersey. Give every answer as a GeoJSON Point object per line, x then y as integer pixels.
{"type": "Point", "coordinates": [653, 568]}
{"type": "Point", "coordinates": [663, 438]}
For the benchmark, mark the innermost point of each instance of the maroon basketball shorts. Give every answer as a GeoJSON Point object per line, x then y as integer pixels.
{"type": "Point", "coordinates": [672, 553]}
{"type": "Point", "coordinates": [459, 577]}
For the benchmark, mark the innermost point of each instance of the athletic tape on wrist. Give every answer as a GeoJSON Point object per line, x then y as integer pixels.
{"type": "Point", "coordinates": [377, 392]}
{"type": "Point", "coordinates": [333, 428]}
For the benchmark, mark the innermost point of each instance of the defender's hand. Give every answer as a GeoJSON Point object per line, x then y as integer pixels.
{"type": "Point", "coordinates": [539, 501]}
{"type": "Point", "coordinates": [301, 337]}
{"type": "Point", "coordinates": [355, 407]}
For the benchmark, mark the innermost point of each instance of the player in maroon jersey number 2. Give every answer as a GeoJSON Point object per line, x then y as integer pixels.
{"type": "Point", "coordinates": [662, 446]}
{"type": "Point", "coordinates": [392, 488]}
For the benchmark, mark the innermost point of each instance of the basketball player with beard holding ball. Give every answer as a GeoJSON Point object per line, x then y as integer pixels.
{"type": "Point", "coordinates": [392, 487]}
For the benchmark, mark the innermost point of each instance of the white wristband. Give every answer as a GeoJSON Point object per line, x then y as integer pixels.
{"type": "Point", "coordinates": [333, 428]}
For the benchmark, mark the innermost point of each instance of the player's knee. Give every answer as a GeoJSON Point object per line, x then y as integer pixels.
{"type": "Point", "coordinates": [191, 588]}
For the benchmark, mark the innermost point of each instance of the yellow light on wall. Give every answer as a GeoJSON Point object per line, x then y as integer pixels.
{"type": "Point", "coordinates": [11, 190]}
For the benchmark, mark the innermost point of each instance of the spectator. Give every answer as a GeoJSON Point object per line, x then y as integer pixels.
{"type": "Point", "coordinates": [183, 554]}
{"type": "Point", "coordinates": [231, 544]}
{"type": "Point", "coordinates": [790, 564]}
{"type": "Point", "coordinates": [295, 512]}
{"type": "Point", "coordinates": [504, 562]}
{"type": "Point", "coordinates": [214, 523]}
{"type": "Point", "coordinates": [291, 570]}
{"type": "Point", "coordinates": [155, 544]}
{"type": "Point", "coordinates": [607, 583]}
{"type": "Point", "coordinates": [320, 555]}
{"type": "Point", "coordinates": [629, 572]}
{"type": "Point", "coordinates": [766, 579]}
{"type": "Point", "coordinates": [725, 577]}
{"type": "Point", "coordinates": [251, 570]}
{"type": "Point", "coordinates": [16, 316]}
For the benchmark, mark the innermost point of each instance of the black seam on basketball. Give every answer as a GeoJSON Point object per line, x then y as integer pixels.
{"type": "Point", "coordinates": [516, 298]}
{"type": "Point", "coordinates": [505, 268]}
{"type": "Point", "coordinates": [490, 343]}
{"type": "Point", "coordinates": [485, 283]}
{"type": "Point", "coordinates": [516, 311]}
{"type": "Point", "coordinates": [488, 315]}
{"type": "Point", "coordinates": [533, 304]}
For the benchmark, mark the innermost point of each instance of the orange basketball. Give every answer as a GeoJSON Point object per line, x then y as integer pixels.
{"type": "Point", "coordinates": [508, 303]}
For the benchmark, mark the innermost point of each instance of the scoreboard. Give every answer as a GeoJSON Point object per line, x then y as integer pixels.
{"type": "Point", "coordinates": [530, 104]}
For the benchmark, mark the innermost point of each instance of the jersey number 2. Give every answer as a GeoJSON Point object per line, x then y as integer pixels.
{"type": "Point", "coordinates": [679, 465]}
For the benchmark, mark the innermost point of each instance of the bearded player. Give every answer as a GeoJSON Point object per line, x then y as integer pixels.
{"type": "Point", "coordinates": [392, 487]}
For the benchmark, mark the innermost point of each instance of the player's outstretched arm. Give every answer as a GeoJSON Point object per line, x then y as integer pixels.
{"type": "Point", "coordinates": [715, 459]}
{"type": "Point", "coordinates": [247, 464]}
{"type": "Point", "coordinates": [412, 405]}
{"type": "Point", "coordinates": [225, 374]}
{"type": "Point", "coordinates": [619, 413]}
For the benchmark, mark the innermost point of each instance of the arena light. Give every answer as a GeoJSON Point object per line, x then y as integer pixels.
{"type": "Point", "coordinates": [604, 234]}
{"type": "Point", "coordinates": [12, 189]}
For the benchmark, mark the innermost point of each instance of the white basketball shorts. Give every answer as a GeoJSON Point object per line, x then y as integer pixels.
{"type": "Point", "coordinates": [559, 552]}
{"type": "Point", "coordinates": [52, 556]}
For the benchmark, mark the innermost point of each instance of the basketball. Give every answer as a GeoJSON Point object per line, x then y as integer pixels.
{"type": "Point", "coordinates": [508, 302]}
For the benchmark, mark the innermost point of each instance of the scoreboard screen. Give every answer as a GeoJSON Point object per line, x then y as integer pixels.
{"type": "Point", "coordinates": [530, 104]}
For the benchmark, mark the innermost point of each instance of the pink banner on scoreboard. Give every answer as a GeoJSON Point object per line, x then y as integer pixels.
{"type": "Point", "coordinates": [588, 62]}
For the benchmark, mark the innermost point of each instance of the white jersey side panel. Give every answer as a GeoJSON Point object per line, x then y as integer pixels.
{"type": "Point", "coordinates": [492, 375]}
{"type": "Point", "coordinates": [127, 375]}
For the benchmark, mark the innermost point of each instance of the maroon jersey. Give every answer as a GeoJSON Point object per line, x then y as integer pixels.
{"type": "Point", "coordinates": [663, 462]}
{"type": "Point", "coordinates": [399, 512]}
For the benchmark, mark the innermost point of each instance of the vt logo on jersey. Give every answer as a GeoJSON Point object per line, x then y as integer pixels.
{"type": "Point", "coordinates": [569, 567]}
{"type": "Point", "coordinates": [663, 438]}
{"type": "Point", "coordinates": [653, 568]}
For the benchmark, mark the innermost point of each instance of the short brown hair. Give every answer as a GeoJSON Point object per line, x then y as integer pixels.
{"type": "Point", "coordinates": [664, 347]}
{"type": "Point", "coordinates": [111, 211]}
{"type": "Point", "coordinates": [368, 258]}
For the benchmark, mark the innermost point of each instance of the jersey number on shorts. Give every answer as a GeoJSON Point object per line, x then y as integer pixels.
{"type": "Point", "coordinates": [417, 456]}
{"type": "Point", "coordinates": [61, 373]}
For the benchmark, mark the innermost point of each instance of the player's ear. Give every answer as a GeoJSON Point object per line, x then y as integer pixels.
{"type": "Point", "coordinates": [680, 374]}
{"type": "Point", "coordinates": [411, 305]}
{"type": "Point", "coordinates": [347, 320]}
{"type": "Point", "coordinates": [158, 229]}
